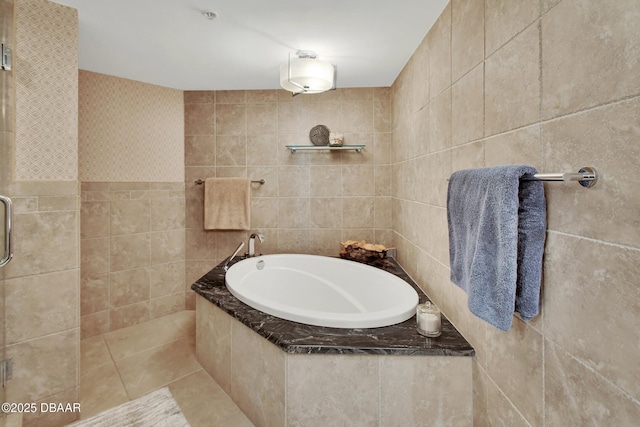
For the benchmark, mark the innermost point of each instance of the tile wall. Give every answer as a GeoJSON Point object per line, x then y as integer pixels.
{"type": "Point", "coordinates": [310, 201]}
{"type": "Point", "coordinates": [133, 248]}
{"type": "Point", "coordinates": [276, 388]}
{"type": "Point", "coordinates": [7, 137]}
{"type": "Point", "coordinates": [553, 84]}
{"type": "Point", "coordinates": [41, 287]}
{"type": "Point", "coordinates": [42, 298]}
{"type": "Point", "coordinates": [550, 83]}
{"type": "Point", "coordinates": [131, 164]}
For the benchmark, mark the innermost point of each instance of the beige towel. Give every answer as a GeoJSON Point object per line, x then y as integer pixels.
{"type": "Point", "coordinates": [227, 203]}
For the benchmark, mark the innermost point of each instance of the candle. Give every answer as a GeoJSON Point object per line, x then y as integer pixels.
{"type": "Point", "coordinates": [428, 319]}
{"type": "Point", "coordinates": [429, 322]}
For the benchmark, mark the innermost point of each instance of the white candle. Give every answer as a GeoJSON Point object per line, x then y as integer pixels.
{"type": "Point", "coordinates": [428, 319]}
{"type": "Point", "coordinates": [429, 322]}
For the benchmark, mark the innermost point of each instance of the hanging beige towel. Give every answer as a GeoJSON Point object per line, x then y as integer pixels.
{"type": "Point", "coordinates": [227, 203]}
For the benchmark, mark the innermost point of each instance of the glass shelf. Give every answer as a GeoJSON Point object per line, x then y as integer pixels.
{"type": "Point", "coordinates": [295, 148]}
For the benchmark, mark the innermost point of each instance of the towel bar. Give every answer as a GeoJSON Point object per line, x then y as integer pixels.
{"type": "Point", "coordinates": [587, 177]}
{"type": "Point", "coordinates": [257, 181]}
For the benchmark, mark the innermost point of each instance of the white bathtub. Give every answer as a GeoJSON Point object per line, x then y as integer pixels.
{"type": "Point", "coordinates": [322, 291]}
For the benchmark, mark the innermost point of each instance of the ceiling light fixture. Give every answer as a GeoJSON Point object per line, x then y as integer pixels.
{"type": "Point", "coordinates": [307, 74]}
{"type": "Point", "coordinates": [209, 15]}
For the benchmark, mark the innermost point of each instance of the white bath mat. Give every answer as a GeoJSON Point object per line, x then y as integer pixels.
{"type": "Point", "coordinates": [156, 409]}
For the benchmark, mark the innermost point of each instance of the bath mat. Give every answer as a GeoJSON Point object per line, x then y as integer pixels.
{"type": "Point", "coordinates": [156, 409]}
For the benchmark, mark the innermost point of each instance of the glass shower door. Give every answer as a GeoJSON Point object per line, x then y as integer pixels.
{"type": "Point", "coordinates": [7, 125]}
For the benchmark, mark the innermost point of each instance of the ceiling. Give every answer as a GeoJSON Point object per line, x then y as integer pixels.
{"type": "Point", "coordinates": [171, 43]}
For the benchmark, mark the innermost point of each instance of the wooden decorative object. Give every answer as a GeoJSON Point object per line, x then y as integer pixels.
{"type": "Point", "coordinates": [364, 252]}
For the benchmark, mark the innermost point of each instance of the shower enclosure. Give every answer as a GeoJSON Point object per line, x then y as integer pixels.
{"type": "Point", "coordinates": [7, 124]}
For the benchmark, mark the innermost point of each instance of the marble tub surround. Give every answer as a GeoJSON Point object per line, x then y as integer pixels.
{"type": "Point", "coordinates": [283, 373]}
{"type": "Point", "coordinates": [298, 338]}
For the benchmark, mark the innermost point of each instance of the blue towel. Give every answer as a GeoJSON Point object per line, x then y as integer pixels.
{"type": "Point", "coordinates": [497, 227]}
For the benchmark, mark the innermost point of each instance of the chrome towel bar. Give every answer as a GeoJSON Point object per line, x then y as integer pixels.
{"type": "Point", "coordinates": [587, 177]}
{"type": "Point", "coordinates": [257, 181]}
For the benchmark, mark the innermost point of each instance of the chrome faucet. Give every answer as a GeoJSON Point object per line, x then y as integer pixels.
{"type": "Point", "coordinates": [225, 267]}
{"type": "Point", "coordinates": [252, 244]}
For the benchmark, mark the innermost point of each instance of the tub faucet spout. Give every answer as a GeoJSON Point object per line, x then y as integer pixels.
{"type": "Point", "coordinates": [225, 267]}
{"type": "Point", "coordinates": [252, 244]}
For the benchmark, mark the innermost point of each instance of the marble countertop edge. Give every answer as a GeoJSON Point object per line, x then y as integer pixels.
{"type": "Point", "coordinates": [297, 338]}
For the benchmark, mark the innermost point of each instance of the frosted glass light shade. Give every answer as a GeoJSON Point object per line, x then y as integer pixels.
{"type": "Point", "coordinates": [307, 75]}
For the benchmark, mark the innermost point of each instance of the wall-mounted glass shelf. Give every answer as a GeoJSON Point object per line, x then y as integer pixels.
{"type": "Point", "coordinates": [295, 148]}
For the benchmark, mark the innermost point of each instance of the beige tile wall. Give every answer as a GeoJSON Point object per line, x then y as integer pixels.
{"type": "Point", "coordinates": [42, 288]}
{"type": "Point", "coordinates": [311, 201]}
{"type": "Point", "coordinates": [275, 388]}
{"type": "Point", "coordinates": [131, 158]}
{"type": "Point", "coordinates": [133, 248]}
{"type": "Point", "coordinates": [553, 84]}
{"type": "Point", "coordinates": [493, 83]}
{"type": "Point", "coordinates": [42, 291]}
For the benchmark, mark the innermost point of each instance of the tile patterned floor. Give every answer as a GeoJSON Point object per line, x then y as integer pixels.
{"type": "Point", "coordinates": [128, 363]}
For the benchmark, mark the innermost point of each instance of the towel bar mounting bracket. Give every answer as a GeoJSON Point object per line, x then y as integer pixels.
{"type": "Point", "coordinates": [591, 172]}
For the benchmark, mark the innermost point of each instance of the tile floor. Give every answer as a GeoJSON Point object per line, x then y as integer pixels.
{"type": "Point", "coordinates": [128, 363]}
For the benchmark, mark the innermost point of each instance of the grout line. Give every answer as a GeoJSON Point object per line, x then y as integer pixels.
{"type": "Point", "coordinates": [544, 372]}
{"type": "Point", "coordinates": [591, 239]}
{"type": "Point", "coordinates": [50, 334]}
{"type": "Point", "coordinates": [286, 389]}
{"type": "Point", "coordinates": [115, 366]}
{"type": "Point", "coordinates": [510, 39]}
{"type": "Point", "coordinates": [504, 395]}
{"type": "Point", "coordinates": [540, 124]}
{"type": "Point", "coordinates": [603, 378]}
{"type": "Point", "coordinates": [380, 409]}
{"type": "Point", "coordinates": [592, 108]}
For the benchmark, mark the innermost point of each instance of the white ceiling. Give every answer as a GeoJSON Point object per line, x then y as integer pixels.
{"type": "Point", "coordinates": [170, 43]}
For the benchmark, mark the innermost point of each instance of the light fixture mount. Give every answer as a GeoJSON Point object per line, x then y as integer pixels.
{"type": "Point", "coordinates": [307, 54]}
{"type": "Point", "coordinates": [307, 74]}
{"type": "Point", "coordinates": [209, 15]}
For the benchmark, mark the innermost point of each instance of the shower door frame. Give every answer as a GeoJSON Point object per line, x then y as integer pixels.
{"type": "Point", "coordinates": [7, 136]}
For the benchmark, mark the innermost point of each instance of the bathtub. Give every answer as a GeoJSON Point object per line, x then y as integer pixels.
{"type": "Point", "coordinates": [322, 291]}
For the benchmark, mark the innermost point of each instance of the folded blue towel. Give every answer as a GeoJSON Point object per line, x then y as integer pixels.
{"type": "Point", "coordinates": [497, 227]}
